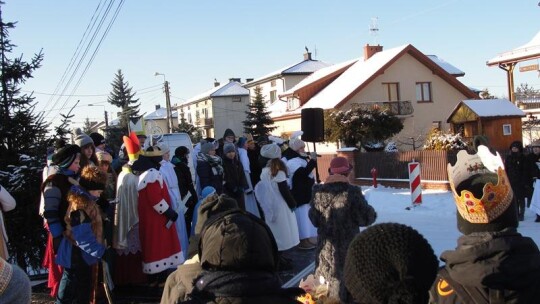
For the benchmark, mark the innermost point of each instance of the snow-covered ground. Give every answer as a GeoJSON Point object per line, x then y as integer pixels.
{"type": "Point", "coordinates": [435, 218]}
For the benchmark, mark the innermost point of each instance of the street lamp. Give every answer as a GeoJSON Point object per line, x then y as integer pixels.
{"type": "Point", "coordinates": [104, 112]}
{"type": "Point", "coordinates": [167, 102]}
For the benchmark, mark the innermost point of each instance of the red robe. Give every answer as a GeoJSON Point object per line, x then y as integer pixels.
{"type": "Point", "coordinates": [159, 244]}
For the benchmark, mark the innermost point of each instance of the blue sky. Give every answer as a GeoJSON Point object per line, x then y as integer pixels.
{"type": "Point", "coordinates": [193, 42]}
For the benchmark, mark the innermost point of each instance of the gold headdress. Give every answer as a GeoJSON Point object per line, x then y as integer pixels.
{"type": "Point", "coordinates": [495, 198]}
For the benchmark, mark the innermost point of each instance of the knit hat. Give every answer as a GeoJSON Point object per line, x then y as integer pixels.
{"type": "Point", "coordinates": [97, 138]}
{"type": "Point", "coordinates": [241, 142]}
{"type": "Point", "coordinates": [228, 147]}
{"type": "Point", "coordinates": [340, 165]}
{"type": "Point", "coordinates": [517, 144]}
{"type": "Point", "coordinates": [207, 191]}
{"type": "Point", "coordinates": [207, 147]}
{"type": "Point", "coordinates": [390, 263]}
{"type": "Point", "coordinates": [81, 139]}
{"type": "Point", "coordinates": [271, 151]}
{"type": "Point", "coordinates": [482, 192]}
{"type": "Point", "coordinates": [237, 241]}
{"type": "Point", "coordinates": [92, 179]}
{"type": "Point", "coordinates": [296, 144]}
{"type": "Point", "coordinates": [15, 284]}
{"type": "Point", "coordinates": [228, 132]}
{"type": "Point", "coordinates": [103, 156]}
{"type": "Point", "coordinates": [65, 156]}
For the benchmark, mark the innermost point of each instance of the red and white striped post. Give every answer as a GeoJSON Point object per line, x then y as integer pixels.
{"type": "Point", "coordinates": [414, 183]}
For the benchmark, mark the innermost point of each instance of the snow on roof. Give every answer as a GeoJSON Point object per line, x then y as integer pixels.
{"type": "Point", "coordinates": [446, 66]}
{"type": "Point", "coordinates": [233, 88]}
{"type": "Point", "coordinates": [230, 88]}
{"type": "Point", "coordinates": [303, 67]}
{"type": "Point", "coordinates": [160, 113]}
{"type": "Point", "coordinates": [493, 107]}
{"type": "Point", "coordinates": [530, 50]}
{"type": "Point", "coordinates": [351, 79]}
{"type": "Point", "coordinates": [278, 108]}
{"type": "Point", "coordinates": [319, 74]}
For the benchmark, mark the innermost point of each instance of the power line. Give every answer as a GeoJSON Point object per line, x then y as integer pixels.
{"type": "Point", "coordinates": [93, 95]}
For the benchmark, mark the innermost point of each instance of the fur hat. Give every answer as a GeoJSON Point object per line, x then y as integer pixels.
{"type": "Point", "coordinates": [228, 147]}
{"type": "Point", "coordinates": [207, 147]}
{"type": "Point", "coordinates": [65, 156]}
{"type": "Point", "coordinates": [237, 241]}
{"type": "Point", "coordinates": [271, 151]}
{"type": "Point", "coordinates": [340, 165]}
{"type": "Point", "coordinates": [92, 179]}
{"type": "Point", "coordinates": [296, 144]}
{"type": "Point", "coordinates": [81, 139]}
{"type": "Point", "coordinates": [97, 138]}
{"type": "Point", "coordinates": [103, 156]}
{"type": "Point", "coordinates": [482, 192]}
{"type": "Point", "coordinates": [390, 263]}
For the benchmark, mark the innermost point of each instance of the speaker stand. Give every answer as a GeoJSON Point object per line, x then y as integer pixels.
{"type": "Point", "coordinates": [318, 179]}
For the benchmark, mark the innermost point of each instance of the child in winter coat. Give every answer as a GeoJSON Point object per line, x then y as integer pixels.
{"type": "Point", "coordinates": [82, 247]}
{"type": "Point", "coordinates": [338, 209]}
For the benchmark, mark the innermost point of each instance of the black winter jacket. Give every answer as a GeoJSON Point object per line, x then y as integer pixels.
{"type": "Point", "coordinates": [489, 267]}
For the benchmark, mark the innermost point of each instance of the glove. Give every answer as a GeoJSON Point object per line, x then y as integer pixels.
{"type": "Point", "coordinates": [56, 243]}
{"type": "Point", "coordinates": [171, 214]}
{"type": "Point", "coordinates": [313, 155]}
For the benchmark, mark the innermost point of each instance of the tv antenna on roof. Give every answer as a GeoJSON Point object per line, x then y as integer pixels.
{"type": "Point", "coordinates": [374, 28]}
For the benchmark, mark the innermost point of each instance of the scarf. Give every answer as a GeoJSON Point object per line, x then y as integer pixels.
{"type": "Point", "coordinates": [213, 161]}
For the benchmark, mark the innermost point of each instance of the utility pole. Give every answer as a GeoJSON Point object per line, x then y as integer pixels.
{"type": "Point", "coordinates": [168, 105]}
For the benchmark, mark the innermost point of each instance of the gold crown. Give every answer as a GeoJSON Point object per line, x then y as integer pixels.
{"type": "Point", "coordinates": [495, 198]}
{"type": "Point", "coordinates": [156, 151]}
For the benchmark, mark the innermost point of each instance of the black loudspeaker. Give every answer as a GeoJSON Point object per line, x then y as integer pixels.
{"type": "Point", "coordinates": [313, 125]}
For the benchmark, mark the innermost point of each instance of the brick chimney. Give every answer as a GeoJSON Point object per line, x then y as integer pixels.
{"type": "Point", "coordinates": [249, 80]}
{"type": "Point", "coordinates": [157, 107]}
{"type": "Point", "coordinates": [370, 50]}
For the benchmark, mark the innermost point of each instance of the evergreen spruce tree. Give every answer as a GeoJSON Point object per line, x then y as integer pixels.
{"type": "Point", "coordinates": [22, 153]}
{"type": "Point", "coordinates": [122, 97]}
{"type": "Point", "coordinates": [258, 121]}
{"type": "Point", "coordinates": [184, 126]}
{"type": "Point", "coordinates": [87, 127]}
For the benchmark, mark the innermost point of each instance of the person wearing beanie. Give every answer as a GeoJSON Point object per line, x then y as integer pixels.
{"type": "Point", "coordinates": [235, 267]}
{"type": "Point", "coordinates": [160, 245]}
{"type": "Point", "coordinates": [338, 209]}
{"type": "Point", "coordinates": [390, 263]}
{"type": "Point", "coordinates": [249, 197]}
{"type": "Point", "coordinates": [234, 179]}
{"type": "Point", "coordinates": [185, 182]}
{"type": "Point", "coordinates": [277, 203]}
{"type": "Point", "coordinates": [209, 167]}
{"type": "Point", "coordinates": [171, 179]}
{"type": "Point", "coordinates": [301, 180]}
{"type": "Point", "coordinates": [88, 150]}
{"type": "Point", "coordinates": [83, 245]}
{"type": "Point", "coordinates": [533, 163]}
{"type": "Point", "coordinates": [15, 284]}
{"type": "Point", "coordinates": [99, 141]}
{"type": "Point", "coordinates": [228, 137]}
{"type": "Point", "coordinates": [54, 191]}
{"type": "Point", "coordinates": [492, 260]}
{"type": "Point", "coordinates": [517, 168]}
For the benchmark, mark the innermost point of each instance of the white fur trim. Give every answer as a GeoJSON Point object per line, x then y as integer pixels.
{"type": "Point", "coordinates": [163, 264]}
{"type": "Point", "coordinates": [161, 207]}
{"type": "Point", "coordinates": [148, 177]}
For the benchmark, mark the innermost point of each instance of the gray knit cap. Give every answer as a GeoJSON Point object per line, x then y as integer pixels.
{"type": "Point", "coordinates": [81, 139]}
{"type": "Point", "coordinates": [271, 151]}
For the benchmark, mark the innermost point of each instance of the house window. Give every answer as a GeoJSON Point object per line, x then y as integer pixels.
{"type": "Point", "coordinates": [292, 104]}
{"type": "Point", "coordinates": [507, 129]}
{"type": "Point", "coordinates": [205, 112]}
{"type": "Point", "coordinates": [236, 99]}
{"type": "Point", "coordinates": [423, 92]}
{"type": "Point", "coordinates": [391, 90]}
{"type": "Point", "coordinates": [273, 95]}
{"type": "Point", "coordinates": [273, 83]}
{"type": "Point", "coordinates": [189, 118]}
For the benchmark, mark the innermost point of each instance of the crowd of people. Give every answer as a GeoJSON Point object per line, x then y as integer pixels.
{"type": "Point", "coordinates": [140, 219]}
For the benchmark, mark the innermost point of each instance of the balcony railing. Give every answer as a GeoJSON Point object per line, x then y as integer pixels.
{"type": "Point", "coordinates": [206, 122]}
{"type": "Point", "coordinates": [528, 102]}
{"type": "Point", "coordinates": [398, 108]}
